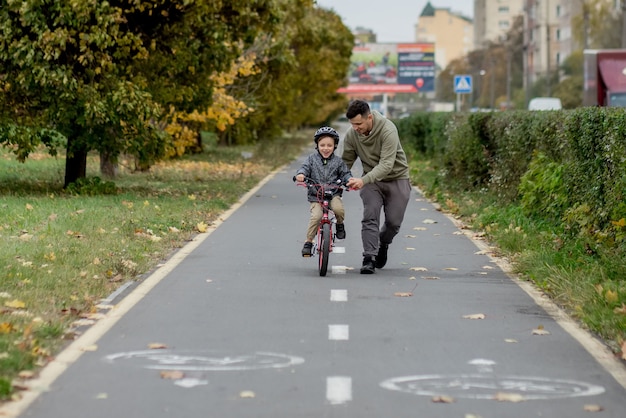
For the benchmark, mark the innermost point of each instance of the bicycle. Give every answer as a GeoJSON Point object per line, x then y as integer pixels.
{"type": "Point", "coordinates": [323, 244]}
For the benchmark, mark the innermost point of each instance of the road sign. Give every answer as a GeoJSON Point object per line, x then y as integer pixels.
{"type": "Point", "coordinates": [462, 83]}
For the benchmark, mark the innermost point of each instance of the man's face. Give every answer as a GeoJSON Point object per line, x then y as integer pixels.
{"type": "Point", "coordinates": [362, 125]}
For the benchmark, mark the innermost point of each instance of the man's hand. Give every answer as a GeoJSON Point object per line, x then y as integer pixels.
{"type": "Point", "coordinates": [300, 178]}
{"type": "Point", "coordinates": [355, 183]}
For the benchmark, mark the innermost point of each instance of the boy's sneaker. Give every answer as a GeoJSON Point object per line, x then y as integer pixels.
{"type": "Point", "coordinates": [368, 265]}
{"type": "Point", "coordinates": [381, 258]}
{"type": "Point", "coordinates": [307, 250]}
{"type": "Point", "coordinates": [341, 231]}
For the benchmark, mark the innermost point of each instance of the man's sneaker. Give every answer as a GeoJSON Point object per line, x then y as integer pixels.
{"type": "Point", "coordinates": [368, 265]}
{"type": "Point", "coordinates": [307, 250]}
{"type": "Point", "coordinates": [381, 258]}
{"type": "Point", "coordinates": [341, 231]}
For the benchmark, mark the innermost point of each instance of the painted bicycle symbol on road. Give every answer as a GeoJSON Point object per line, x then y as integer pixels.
{"type": "Point", "coordinates": [485, 385]}
{"type": "Point", "coordinates": [204, 360]}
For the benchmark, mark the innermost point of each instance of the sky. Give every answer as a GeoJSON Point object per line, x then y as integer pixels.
{"type": "Point", "coordinates": [391, 20]}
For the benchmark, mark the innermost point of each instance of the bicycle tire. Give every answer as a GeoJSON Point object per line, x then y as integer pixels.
{"type": "Point", "coordinates": [324, 250]}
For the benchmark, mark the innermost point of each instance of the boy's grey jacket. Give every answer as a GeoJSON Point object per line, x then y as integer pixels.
{"type": "Point", "coordinates": [324, 171]}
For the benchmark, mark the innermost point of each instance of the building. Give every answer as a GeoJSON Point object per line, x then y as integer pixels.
{"type": "Point", "coordinates": [493, 19]}
{"type": "Point", "coordinates": [451, 32]}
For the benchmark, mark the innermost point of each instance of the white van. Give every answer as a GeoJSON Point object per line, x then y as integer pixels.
{"type": "Point", "coordinates": [545, 103]}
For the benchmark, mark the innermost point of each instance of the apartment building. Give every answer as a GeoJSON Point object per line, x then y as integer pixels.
{"type": "Point", "coordinates": [493, 19]}
{"type": "Point", "coordinates": [451, 32]}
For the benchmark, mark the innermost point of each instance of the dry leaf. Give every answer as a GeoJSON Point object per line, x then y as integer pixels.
{"type": "Point", "coordinates": [442, 399]}
{"type": "Point", "coordinates": [482, 252]}
{"type": "Point", "coordinates": [92, 347]}
{"type": "Point", "coordinates": [540, 331]}
{"type": "Point", "coordinates": [410, 249]}
{"type": "Point", "coordinates": [202, 227]}
{"type": "Point", "coordinates": [508, 397]}
{"type": "Point", "coordinates": [611, 296]}
{"type": "Point", "coordinates": [430, 277]}
{"type": "Point", "coordinates": [16, 304]}
{"type": "Point", "coordinates": [172, 374]}
{"type": "Point", "coordinates": [247, 394]}
{"type": "Point", "coordinates": [29, 206]}
{"type": "Point", "coordinates": [6, 327]}
{"type": "Point", "coordinates": [488, 267]}
{"type": "Point", "coordinates": [410, 236]}
{"type": "Point", "coordinates": [621, 310]}
{"type": "Point", "coordinates": [26, 374]}
{"type": "Point", "coordinates": [474, 316]}
{"type": "Point", "coordinates": [403, 294]}
{"type": "Point", "coordinates": [157, 346]}
{"type": "Point", "coordinates": [592, 408]}
{"type": "Point", "coordinates": [418, 269]}
{"type": "Point", "coordinates": [451, 268]}
{"type": "Point", "coordinates": [429, 221]}
{"type": "Point", "coordinates": [420, 228]}
{"type": "Point", "coordinates": [510, 340]}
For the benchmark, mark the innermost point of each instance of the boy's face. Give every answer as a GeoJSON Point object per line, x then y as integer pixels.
{"type": "Point", "coordinates": [326, 146]}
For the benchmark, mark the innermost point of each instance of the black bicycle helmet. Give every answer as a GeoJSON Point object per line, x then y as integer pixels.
{"type": "Point", "coordinates": [326, 131]}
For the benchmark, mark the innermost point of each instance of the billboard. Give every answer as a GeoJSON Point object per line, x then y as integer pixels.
{"type": "Point", "coordinates": [392, 68]}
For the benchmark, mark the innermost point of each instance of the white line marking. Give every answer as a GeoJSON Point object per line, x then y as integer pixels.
{"type": "Point", "coordinates": [72, 353]}
{"type": "Point", "coordinates": [338, 389]}
{"type": "Point", "coordinates": [339, 250]}
{"type": "Point", "coordinates": [338, 295]}
{"type": "Point", "coordinates": [338, 332]}
{"type": "Point", "coordinates": [600, 352]}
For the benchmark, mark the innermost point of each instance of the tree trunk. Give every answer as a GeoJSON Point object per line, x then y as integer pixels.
{"type": "Point", "coordinates": [108, 165]}
{"type": "Point", "coordinates": [75, 163]}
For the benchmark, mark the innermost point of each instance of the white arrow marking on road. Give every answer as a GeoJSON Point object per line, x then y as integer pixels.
{"type": "Point", "coordinates": [338, 389]}
{"type": "Point", "coordinates": [338, 332]}
{"type": "Point", "coordinates": [338, 295]}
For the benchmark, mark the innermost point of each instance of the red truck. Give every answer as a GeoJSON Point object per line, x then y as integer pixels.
{"type": "Point", "coordinates": [604, 77]}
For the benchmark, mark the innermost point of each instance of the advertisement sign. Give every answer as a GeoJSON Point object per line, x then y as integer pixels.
{"type": "Point", "coordinates": [392, 68]}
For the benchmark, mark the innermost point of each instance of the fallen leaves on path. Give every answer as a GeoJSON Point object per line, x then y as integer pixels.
{"type": "Point", "coordinates": [475, 316]}
{"type": "Point", "coordinates": [508, 397]}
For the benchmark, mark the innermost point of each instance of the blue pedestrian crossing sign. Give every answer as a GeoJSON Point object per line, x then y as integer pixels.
{"type": "Point", "coordinates": [462, 83]}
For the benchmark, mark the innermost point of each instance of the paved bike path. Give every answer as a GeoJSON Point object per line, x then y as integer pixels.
{"type": "Point", "coordinates": [249, 329]}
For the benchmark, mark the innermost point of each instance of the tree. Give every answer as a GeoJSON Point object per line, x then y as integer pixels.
{"type": "Point", "coordinates": [299, 74]}
{"type": "Point", "coordinates": [101, 73]}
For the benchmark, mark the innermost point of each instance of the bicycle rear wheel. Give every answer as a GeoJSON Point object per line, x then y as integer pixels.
{"type": "Point", "coordinates": [324, 248]}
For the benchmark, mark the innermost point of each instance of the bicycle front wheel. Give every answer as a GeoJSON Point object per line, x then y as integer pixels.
{"type": "Point", "coordinates": [324, 248]}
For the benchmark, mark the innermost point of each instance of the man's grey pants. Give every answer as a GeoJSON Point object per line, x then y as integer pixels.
{"type": "Point", "coordinates": [393, 198]}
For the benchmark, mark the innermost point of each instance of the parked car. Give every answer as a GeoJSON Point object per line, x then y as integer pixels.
{"type": "Point", "coordinates": [545, 103]}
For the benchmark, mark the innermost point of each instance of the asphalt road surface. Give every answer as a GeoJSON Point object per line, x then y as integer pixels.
{"type": "Point", "coordinates": [248, 328]}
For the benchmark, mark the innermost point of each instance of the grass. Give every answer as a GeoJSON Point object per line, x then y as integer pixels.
{"type": "Point", "coordinates": [585, 278]}
{"type": "Point", "coordinates": [61, 253]}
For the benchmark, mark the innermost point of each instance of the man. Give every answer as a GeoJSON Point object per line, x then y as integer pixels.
{"type": "Point", "coordinates": [385, 183]}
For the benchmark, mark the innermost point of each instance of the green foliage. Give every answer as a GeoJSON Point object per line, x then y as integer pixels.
{"type": "Point", "coordinates": [101, 73]}
{"type": "Point", "coordinates": [466, 156]}
{"type": "Point", "coordinates": [542, 189]}
{"type": "Point", "coordinates": [91, 186]}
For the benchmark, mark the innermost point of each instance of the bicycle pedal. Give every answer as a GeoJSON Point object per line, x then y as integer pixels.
{"type": "Point", "coordinates": [307, 256]}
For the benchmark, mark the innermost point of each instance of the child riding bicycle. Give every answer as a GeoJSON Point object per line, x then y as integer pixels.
{"type": "Point", "coordinates": [324, 167]}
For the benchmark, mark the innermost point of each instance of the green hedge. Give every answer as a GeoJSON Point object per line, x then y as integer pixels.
{"type": "Point", "coordinates": [567, 166]}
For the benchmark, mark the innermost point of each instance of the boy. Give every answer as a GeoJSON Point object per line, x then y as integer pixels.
{"type": "Point", "coordinates": [324, 167]}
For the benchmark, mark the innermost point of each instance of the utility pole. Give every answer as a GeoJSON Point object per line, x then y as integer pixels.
{"type": "Point", "coordinates": [623, 23]}
{"type": "Point", "coordinates": [548, 81]}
